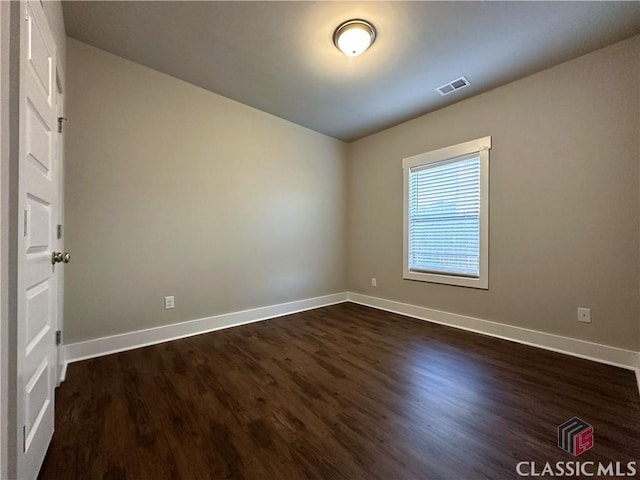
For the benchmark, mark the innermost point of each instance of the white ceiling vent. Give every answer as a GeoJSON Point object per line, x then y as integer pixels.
{"type": "Point", "coordinates": [457, 84]}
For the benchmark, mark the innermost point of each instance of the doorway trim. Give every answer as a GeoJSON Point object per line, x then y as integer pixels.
{"type": "Point", "coordinates": [5, 343]}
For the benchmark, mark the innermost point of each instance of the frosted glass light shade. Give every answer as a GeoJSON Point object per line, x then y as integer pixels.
{"type": "Point", "coordinates": [354, 37]}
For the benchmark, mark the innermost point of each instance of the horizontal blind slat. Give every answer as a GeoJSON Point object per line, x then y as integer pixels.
{"type": "Point", "coordinates": [444, 218]}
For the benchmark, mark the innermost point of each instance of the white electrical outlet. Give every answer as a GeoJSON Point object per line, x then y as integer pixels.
{"type": "Point", "coordinates": [169, 303]}
{"type": "Point", "coordinates": [374, 282]}
{"type": "Point", "coordinates": [584, 315]}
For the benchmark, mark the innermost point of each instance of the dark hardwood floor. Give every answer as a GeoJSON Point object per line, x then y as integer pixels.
{"type": "Point", "coordinates": [341, 392]}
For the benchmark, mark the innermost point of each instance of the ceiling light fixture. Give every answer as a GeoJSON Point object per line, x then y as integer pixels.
{"type": "Point", "coordinates": [353, 37]}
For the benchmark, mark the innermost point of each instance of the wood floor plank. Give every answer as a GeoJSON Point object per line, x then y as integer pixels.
{"type": "Point", "coordinates": [341, 392]}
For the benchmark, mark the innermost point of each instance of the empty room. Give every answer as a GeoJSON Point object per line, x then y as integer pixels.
{"type": "Point", "coordinates": [319, 240]}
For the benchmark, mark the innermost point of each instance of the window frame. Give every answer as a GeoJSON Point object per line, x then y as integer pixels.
{"type": "Point", "coordinates": [481, 147]}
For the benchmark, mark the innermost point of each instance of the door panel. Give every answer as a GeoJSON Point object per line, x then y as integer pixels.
{"type": "Point", "coordinates": [37, 402]}
{"type": "Point", "coordinates": [38, 225]}
{"type": "Point", "coordinates": [40, 52]}
{"type": "Point", "coordinates": [37, 283]}
{"type": "Point", "coordinates": [38, 308]}
{"type": "Point", "coordinates": [40, 138]}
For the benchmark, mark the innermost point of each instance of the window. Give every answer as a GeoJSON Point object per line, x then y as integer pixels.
{"type": "Point", "coordinates": [446, 215]}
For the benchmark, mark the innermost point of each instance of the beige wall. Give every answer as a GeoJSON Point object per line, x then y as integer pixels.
{"type": "Point", "coordinates": [190, 194]}
{"type": "Point", "coordinates": [564, 224]}
{"type": "Point", "coordinates": [173, 190]}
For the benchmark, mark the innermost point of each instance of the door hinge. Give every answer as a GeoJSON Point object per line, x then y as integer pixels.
{"type": "Point", "coordinates": [58, 337]}
{"type": "Point", "coordinates": [59, 231]}
{"type": "Point", "coordinates": [24, 439]}
{"type": "Point", "coordinates": [60, 122]}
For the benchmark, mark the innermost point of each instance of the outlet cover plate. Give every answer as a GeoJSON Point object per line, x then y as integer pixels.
{"type": "Point", "coordinates": [169, 303]}
{"type": "Point", "coordinates": [584, 315]}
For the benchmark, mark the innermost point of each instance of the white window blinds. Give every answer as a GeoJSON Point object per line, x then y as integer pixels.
{"type": "Point", "coordinates": [444, 217]}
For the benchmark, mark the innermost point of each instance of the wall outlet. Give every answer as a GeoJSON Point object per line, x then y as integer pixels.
{"type": "Point", "coordinates": [374, 282]}
{"type": "Point", "coordinates": [584, 315]}
{"type": "Point", "coordinates": [169, 303]}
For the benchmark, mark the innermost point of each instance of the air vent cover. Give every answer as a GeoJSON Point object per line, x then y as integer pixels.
{"type": "Point", "coordinates": [450, 87]}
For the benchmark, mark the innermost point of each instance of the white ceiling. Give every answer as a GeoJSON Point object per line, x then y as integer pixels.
{"type": "Point", "coordinates": [279, 57]}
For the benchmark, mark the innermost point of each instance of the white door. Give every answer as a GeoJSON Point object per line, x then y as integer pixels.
{"type": "Point", "coordinates": [38, 202]}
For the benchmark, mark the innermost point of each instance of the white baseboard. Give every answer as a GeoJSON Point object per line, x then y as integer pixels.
{"type": "Point", "coordinates": [578, 348]}
{"type": "Point", "coordinates": [75, 352]}
{"type": "Point", "coordinates": [127, 341]}
{"type": "Point", "coordinates": [63, 372]}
